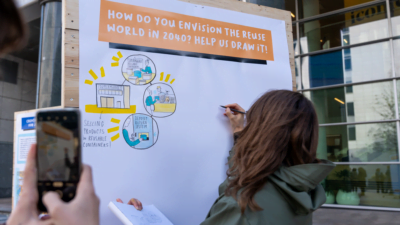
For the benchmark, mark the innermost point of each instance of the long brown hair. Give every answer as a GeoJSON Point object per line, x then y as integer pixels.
{"type": "Point", "coordinates": [12, 30]}
{"type": "Point", "coordinates": [281, 129]}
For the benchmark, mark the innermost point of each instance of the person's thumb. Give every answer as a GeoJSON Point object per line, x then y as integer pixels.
{"type": "Point", "coordinates": [53, 202]}
{"type": "Point", "coordinates": [228, 113]}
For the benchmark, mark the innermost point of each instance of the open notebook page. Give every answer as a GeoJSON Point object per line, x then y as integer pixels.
{"type": "Point", "coordinates": [149, 215]}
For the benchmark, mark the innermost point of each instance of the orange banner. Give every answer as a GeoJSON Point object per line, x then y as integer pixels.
{"type": "Point", "coordinates": [141, 26]}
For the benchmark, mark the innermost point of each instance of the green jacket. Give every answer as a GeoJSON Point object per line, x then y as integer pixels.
{"type": "Point", "coordinates": [289, 197]}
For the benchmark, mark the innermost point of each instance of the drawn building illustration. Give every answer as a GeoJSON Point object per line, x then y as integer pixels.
{"type": "Point", "coordinates": [112, 96]}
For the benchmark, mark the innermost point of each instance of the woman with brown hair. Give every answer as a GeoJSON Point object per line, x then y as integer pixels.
{"type": "Point", "coordinates": [274, 174]}
{"type": "Point", "coordinates": [12, 31]}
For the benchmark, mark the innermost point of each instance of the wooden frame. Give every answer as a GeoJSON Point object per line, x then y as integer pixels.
{"type": "Point", "coordinates": [70, 48]}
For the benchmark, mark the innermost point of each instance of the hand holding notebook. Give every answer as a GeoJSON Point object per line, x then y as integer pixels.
{"type": "Point", "coordinates": [131, 216]}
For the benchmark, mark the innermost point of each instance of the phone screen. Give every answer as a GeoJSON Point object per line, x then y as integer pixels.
{"type": "Point", "coordinates": [58, 149]}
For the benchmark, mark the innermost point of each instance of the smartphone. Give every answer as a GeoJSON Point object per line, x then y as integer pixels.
{"type": "Point", "coordinates": [59, 159]}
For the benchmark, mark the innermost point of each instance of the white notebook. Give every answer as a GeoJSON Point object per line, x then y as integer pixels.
{"type": "Point", "coordinates": [149, 215]}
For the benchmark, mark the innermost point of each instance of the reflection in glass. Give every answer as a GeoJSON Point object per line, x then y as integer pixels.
{"type": "Point", "coordinates": [398, 93]}
{"type": "Point", "coordinates": [288, 5]}
{"type": "Point", "coordinates": [358, 143]}
{"type": "Point", "coordinates": [347, 65]}
{"type": "Point", "coordinates": [295, 42]}
{"type": "Point", "coordinates": [396, 52]}
{"type": "Point", "coordinates": [364, 185]}
{"type": "Point", "coordinates": [374, 101]}
{"type": "Point", "coordinates": [353, 27]}
{"type": "Point", "coordinates": [297, 63]}
{"type": "Point", "coordinates": [309, 8]}
{"type": "Point", "coordinates": [395, 12]}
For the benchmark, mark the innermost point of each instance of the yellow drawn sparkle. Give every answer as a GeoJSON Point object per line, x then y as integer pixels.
{"type": "Point", "coordinates": [93, 74]}
{"type": "Point", "coordinates": [113, 129]}
{"type": "Point", "coordinates": [167, 78]}
{"type": "Point", "coordinates": [115, 137]}
{"type": "Point", "coordinates": [115, 120]}
{"type": "Point", "coordinates": [116, 59]}
{"type": "Point", "coordinates": [103, 74]}
{"type": "Point", "coordinates": [88, 82]}
{"type": "Point", "coordinates": [161, 76]}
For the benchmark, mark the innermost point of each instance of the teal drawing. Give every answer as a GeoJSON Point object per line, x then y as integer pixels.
{"type": "Point", "coordinates": [140, 131]}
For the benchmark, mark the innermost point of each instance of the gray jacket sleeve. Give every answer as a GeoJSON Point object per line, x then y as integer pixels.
{"type": "Point", "coordinates": [225, 211]}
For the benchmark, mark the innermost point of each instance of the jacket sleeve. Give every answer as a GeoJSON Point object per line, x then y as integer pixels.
{"type": "Point", "coordinates": [225, 212]}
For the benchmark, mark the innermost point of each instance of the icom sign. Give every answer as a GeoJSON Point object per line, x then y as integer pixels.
{"type": "Point", "coordinates": [368, 14]}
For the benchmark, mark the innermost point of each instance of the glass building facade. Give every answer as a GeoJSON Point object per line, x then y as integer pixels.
{"type": "Point", "coordinates": [347, 56]}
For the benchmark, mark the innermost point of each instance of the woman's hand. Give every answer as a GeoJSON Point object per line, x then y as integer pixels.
{"type": "Point", "coordinates": [82, 210]}
{"type": "Point", "coordinates": [236, 119]}
{"type": "Point", "coordinates": [136, 203]}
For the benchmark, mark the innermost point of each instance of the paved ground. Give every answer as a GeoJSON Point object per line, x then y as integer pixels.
{"type": "Point", "coordinates": [325, 216]}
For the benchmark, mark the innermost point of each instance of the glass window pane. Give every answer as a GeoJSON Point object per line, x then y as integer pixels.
{"type": "Point", "coordinates": [396, 52]}
{"type": "Point", "coordinates": [288, 5]}
{"type": "Point", "coordinates": [398, 94]}
{"type": "Point", "coordinates": [349, 89]}
{"type": "Point", "coordinates": [395, 12]}
{"type": "Point", "coordinates": [347, 65]}
{"type": "Point", "coordinates": [364, 185]}
{"type": "Point", "coordinates": [358, 143]}
{"type": "Point", "coordinates": [350, 108]}
{"type": "Point", "coordinates": [352, 133]}
{"type": "Point", "coordinates": [297, 63]}
{"type": "Point", "coordinates": [343, 29]}
{"type": "Point", "coordinates": [373, 101]}
{"type": "Point", "coordinates": [309, 8]}
{"type": "Point", "coordinates": [295, 42]}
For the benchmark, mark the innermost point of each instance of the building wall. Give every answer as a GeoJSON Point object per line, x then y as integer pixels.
{"type": "Point", "coordinates": [350, 55]}
{"type": "Point", "coordinates": [13, 98]}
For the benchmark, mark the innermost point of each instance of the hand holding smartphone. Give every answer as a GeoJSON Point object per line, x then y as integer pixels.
{"type": "Point", "coordinates": [59, 160]}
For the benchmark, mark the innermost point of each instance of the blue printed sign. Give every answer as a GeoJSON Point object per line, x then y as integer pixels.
{"type": "Point", "coordinates": [28, 123]}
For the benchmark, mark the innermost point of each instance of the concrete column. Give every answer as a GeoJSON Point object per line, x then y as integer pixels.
{"type": "Point", "coordinates": [49, 72]}
{"type": "Point", "coordinates": [312, 28]}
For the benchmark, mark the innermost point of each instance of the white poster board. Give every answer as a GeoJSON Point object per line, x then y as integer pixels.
{"type": "Point", "coordinates": [137, 62]}
{"type": "Point", "coordinates": [24, 137]}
